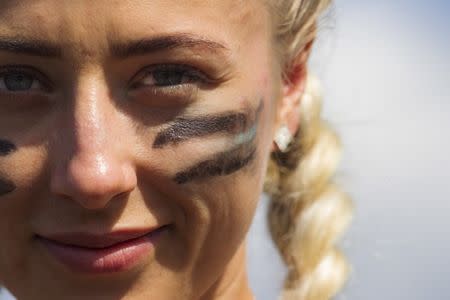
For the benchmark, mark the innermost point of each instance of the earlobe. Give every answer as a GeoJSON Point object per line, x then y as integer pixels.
{"type": "Point", "coordinates": [283, 138]}
{"type": "Point", "coordinates": [293, 87]}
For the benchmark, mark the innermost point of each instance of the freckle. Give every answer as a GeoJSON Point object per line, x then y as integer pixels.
{"type": "Point", "coordinates": [6, 147]}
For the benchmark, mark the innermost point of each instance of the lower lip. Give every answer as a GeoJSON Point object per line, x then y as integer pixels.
{"type": "Point", "coordinates": [117, 258]}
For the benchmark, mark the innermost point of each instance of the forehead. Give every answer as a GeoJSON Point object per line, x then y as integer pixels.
{"type": "Point", "coordinates": [93, 23]}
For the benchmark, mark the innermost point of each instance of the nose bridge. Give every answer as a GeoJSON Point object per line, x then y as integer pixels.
{"type": "Point", "coordinates": [93, 153]}
{"type": "Point", "coordinates": [92, 107]}
{"type": "Point", "coordinates": [95, 168]}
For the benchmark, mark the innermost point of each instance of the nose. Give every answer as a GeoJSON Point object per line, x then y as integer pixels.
{"type": "Point", "coordinates": [91, 162]}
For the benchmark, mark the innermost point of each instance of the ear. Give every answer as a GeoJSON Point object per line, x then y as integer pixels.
{"type": "Point", "coordinates": [293, 87]}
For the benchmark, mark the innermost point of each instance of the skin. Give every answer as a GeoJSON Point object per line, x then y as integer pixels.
{"type": "Point", "coordinates": [88, 146]}
{"type": "Point", "coordinates": [6, 148]}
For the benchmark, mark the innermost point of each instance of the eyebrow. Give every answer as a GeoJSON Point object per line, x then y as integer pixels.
{"type": "Point", "coordinates": [184, 128]}
{"type": "Point", "coordinates": [31, 47]}
{"type": "Point", "coordinates": [166, 42]}
{"type": "Point", "coordinates": [35, 47]}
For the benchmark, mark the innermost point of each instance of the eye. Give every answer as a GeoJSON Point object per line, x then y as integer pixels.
{"type": "Point", "coordinates": [19, 81]}
{"type": "Point", "coordinates": [169, 76]}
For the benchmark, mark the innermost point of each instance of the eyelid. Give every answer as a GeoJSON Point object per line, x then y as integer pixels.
{"type": "Point", "coordinates": [29, 71]}
{"type": "Point", "coordinates": [202, 77]}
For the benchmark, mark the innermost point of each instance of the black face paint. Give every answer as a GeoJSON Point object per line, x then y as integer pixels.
{"type": "Point", "coordinates": [221, 164]}
{"type": "Point", "coordinates": [6, 147]}
{"type": "Point", "coordinates": [6, 187]}
{"type": "Point", "coordinates": [228, 162]}
{"type": "Point", "coordinates": [186, 128]}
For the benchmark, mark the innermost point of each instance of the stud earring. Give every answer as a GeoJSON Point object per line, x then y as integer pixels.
{"type": "Point", "coordinates": [283, 138]}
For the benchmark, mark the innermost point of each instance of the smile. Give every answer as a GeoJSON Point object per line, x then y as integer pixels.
{"type": "Point", "coordinates": [109, 253]}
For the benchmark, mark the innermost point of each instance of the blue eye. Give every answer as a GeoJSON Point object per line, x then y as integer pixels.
{"type": "Point", "coordinates": [170, 76]}
{"type": "Point", "coordinates": [18, 81]}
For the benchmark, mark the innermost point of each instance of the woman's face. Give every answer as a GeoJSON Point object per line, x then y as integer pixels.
{"type": "Point", "coordinates": [120, 119]}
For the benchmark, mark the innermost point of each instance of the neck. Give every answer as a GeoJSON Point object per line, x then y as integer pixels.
{"type": "Point", "coordinates": [233, 283]}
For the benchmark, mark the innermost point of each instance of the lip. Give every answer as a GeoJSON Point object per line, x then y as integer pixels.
{"type": "Point", "coordinates": [106, 253]}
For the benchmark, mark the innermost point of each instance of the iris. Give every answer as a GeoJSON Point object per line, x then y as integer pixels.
{"type": "Point", "coordinates": [18, 81]}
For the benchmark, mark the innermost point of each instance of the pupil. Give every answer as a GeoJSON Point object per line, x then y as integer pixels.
{"type": "Point", "coordinates": [165, 78]}
{"type": "Point", "coordinates": [18, 82]}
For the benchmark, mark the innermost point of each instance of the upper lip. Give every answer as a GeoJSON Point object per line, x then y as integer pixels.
{"type": "Point", "coordinates": [90, 240]}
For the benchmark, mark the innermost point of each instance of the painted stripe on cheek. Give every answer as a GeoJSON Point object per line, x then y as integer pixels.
{"type": "Point", "coordinates": [223, 164]}
{"type": "Point", "coordinates": [6, 187]}
{"type": "Point", "coordinates": [6, 147]}
{"type": "Point", "coordinates": [186, 128]}
{"type": "Point", "coordinates": [227, 162]}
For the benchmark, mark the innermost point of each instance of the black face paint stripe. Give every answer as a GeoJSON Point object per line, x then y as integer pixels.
{"type": "Point", "coordinates": [222, 164]}
{"type": "Point", "coordinates": [6, 147]}
{"type": "Point", "coordinates": [186, 128]}
{"type": "Point", "coordinates": [6, 187]}
{"type": "Point", "coordinates": [227, 162]}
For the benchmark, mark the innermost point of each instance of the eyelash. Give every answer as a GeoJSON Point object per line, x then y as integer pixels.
{"type": "Point", "coordinates": [187, 74]}
{"type": "Point", "coordinates": [190, 78]}
{"type": "Point", "coordinates": [28, 72]}
{"type": "Point", "coordinates": [189, 81]}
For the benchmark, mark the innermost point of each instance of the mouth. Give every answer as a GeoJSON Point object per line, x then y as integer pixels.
{"type": "Point", "coordinates": [106, 253]}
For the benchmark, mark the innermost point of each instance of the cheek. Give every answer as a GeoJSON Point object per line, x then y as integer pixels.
{"type": "Point", "coordinates": [7, 148]}
{"type": "Point", "coordinates": [19, 212]}
{"type": "Point", "coordinates": [242, 191]}
{"type": "Point", "coordinates": [15, 236]}
{"type": "Point", "coordinates": [21, 176]}
{"type": "Point", "coordinates": [19, 173]}
{"type": "Point", "coordinates": [14, 248]}
{"type": "Point", "coordinates": [231, 201]}
{"type": "Point", "coordinates": [6, 187]}
{"type": "Point", "coordinates": [227, 210]}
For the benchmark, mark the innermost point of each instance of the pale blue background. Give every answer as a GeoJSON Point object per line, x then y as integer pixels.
{"type": "Point", "coordinates": [385, 67]}
{"type": "Point", "coordinates": [386, 74]}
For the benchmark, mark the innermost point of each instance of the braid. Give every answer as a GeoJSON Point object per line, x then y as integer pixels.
{"type": "Point", "coordinates": [307, 212]}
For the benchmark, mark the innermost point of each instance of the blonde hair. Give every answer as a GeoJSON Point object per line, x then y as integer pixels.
{"type": "Point", "coordinates": [308, 212]}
